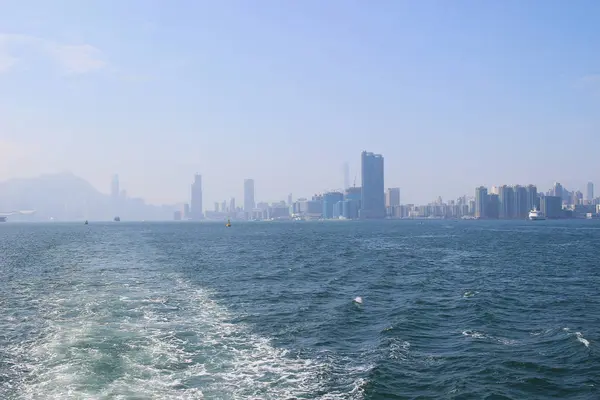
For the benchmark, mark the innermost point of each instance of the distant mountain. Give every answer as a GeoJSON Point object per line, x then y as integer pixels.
{"type": "Point", "coordinates": [68, 197]}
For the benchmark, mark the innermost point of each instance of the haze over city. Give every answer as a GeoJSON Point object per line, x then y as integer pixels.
{"type": "Point", "coordinates": [454, 95]}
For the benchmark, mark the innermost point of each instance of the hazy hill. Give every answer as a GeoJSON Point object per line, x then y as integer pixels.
{"type": "Point", "coordinates": [68, 197]}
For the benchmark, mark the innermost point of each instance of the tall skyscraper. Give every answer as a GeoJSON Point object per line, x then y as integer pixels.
{"type": "Point", "coordinates": [532, 197]}
{"type": "Point", "coordinates": [373, 189]}
{"type": "Point", "coordinates": [481, 200]}
{"type": "Point", "coordinates": [492, 209]}
{"type": "Point", "coordinates": [590, 192]}
{"type": "Point", "coordinates": [506, 196]}
{"type": "Point", "coordinates": [232, 205]}
{"type": "Point", "coordinates": [289, 201]}
{"type": "Point", "coordinates": [216, 206]}
{"type": "Point", "coordinates": [114, 195]}
{"type": "Point", "coordinates": [392, 197]}
{"type": "Point", "coordinates": [346, 176]}
{"type": "Point", "coordinates": [557, 190]}
{"type": "Point", "coordinates": [521, 202]}
{"type": "Point", "coordinates": [197, 212]}
{"type": "Point", "coordinates": [114, 187]}
{"type": "Point", "coordinates": [224, 206]}
{"type": "Point", "coordinates": [577, 198]}
{"type": "Point", "coordinates": [249, 203]}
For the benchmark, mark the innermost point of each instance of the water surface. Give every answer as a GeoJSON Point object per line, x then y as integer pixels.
{"type": "Point", "coordinates": [466, 309]}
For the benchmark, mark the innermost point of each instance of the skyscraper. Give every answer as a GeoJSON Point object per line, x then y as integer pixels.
{"type": "Point", "coordinates": [114, 195]}
{"type": "Point", "coordinates": [521, 202]}
{"type": "Point", "coordinates": [249, 203]}
{"type": "Point", "coordinates": [557, 190]}
{"type": "Point", "coordinates": [392, 197]}
{"type": "Point", "coordinates": [506, 196]}
{"type": "Point", "coordinates": [492, 210]}
{"type": "Point", "coordinates": [346, 176]}
{"type": "Point", "coordinates": [373, 190]}
{"type": "Point", "coordinates": [532, 197]}
{"type": "Point", "coordinates": [481, 200]}
{"type": "Point", "coordinates": [114, 187]}
{"type": "Point", "coordinates": [590, 192]}
{"type": "Point", "coordinates": [197, 213]}
{"type": "Point", "coordinates": [329, 201]}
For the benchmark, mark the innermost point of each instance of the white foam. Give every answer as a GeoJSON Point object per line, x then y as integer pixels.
{"type": "Point", "coordinates": [474, 334]}
{"type": "Point", "coordinates": [579, 337]}
{"type": "Point", "coordinates": [480, 335]}
{"type": "Point", "coordinates": [180, 346]}
{"type": "Point", "coordinates": [398, 349]}
{"type": "Point", "coordinates": [582, 339]}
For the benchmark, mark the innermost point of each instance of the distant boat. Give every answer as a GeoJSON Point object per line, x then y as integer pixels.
{"type": "Point", "coordinates": [228, 224]}
{"type": "Point", "coordinates": [85, 223]}
{"type": "Point", "coordinates": [536, 215]}
{"type": "Point", "coordinates": [117, 219]}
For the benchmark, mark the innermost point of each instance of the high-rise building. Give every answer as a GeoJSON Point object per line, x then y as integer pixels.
{"type": "Point", "coordinates": [196, 212]}
{"type": "Point", "coordinates": [114, 195]}
{"type": "Point", "coordinates": [392, 197]}
{"type": "Point", "coordinates": [392, 200]}
{"type": "Point", "coordinates": [506, 196]}
{"type": "Point", "coordinates": [557, 191]}
{"type": "Point", "coordinates": [493, 206]}
{"type": "Point", "coordinates": [353, 193]}
{"type": "Point", "coordinates": [577, 198]}
{"type": "Point", "coordinates": [232, 205]}
{"type": "Point", "coordinates": [521, 202]}
{"type": "Point", "coordinates": [289, 201]}
{"type": "Point", "coordinates": [329, 200]}
{"type": "Point", "coordinates": [551, 206]}
{"type": "Point", "coordinates": [481, 200]}
{"type": "Point", "coordinates": [249, 203]}
{"type": "Point", "coordinates": [224, 206]}
{"type": "Point", "coordinates": [532, 197]}
{"type": "Point", "coordinates": [346, 176]}
{"type": "Point", "coordinates": [216, 206]}
{"type": "Point", "coordinates": [114, 187]}
{"type": "Point", "coordinates": [373, 189]}
{"type": "Point", "coordinates": [590, 192]}
{"type": "Point", "coordinates": [186, 211]}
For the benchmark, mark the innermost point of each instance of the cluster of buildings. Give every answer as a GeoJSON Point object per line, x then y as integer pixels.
{"type": "Point", "coordinates": [368, 201]}
{"type": "Point", "coordinates": [515, 202]}
{"type": "Point", "coordinates": [371, 200]}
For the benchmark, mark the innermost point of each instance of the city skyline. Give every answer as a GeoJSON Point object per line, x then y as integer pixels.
{"type": "Point", "coordinates": [445, 93]}
{"type": "Point", "coordinates": [117, 192]}
{"type": "Point", "coordinates": [68, 197]}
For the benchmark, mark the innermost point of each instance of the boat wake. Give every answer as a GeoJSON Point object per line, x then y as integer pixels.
{"type": "Point", "coordinates": [131, 342]}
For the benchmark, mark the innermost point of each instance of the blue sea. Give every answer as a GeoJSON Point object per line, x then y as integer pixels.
{"type": "Point", "coordinates": [450, 309]}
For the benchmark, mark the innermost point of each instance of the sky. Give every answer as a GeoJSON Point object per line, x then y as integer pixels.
{"type": "Point", "coordinates": [453, 94]}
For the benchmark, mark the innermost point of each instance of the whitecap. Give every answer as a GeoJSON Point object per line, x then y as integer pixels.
{"type": "Point", "coordinates": [583, 340]}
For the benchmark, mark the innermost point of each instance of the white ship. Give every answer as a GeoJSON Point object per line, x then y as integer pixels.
{"type": "Point", "coordinates": [536, 215]}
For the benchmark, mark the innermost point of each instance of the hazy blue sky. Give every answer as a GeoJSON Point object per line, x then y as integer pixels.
{"type": "Point", "coordinates": [454, 94]}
